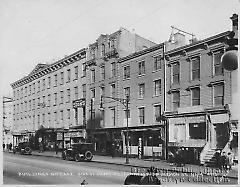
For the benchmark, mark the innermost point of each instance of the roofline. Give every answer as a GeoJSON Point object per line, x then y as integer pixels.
{"type": "Point", "coordinates": [143, 52]}
{"type": "Point", "coordinates": [13, 85]}
{"type": "Point", "coordinates": [196, 44]}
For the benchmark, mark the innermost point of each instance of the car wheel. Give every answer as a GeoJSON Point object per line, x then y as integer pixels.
{"type": "Point", "coordinates": [27, 150]}
{"type": "Point", "coordinates": [78, 158]}
{"type": "Point", "coordinates": [88, 155]}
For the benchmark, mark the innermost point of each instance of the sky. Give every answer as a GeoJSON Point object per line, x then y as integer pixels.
{"type": "Point", "coordinates": [34, 31]}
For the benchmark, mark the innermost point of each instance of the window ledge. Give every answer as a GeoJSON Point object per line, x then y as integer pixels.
{"type": "Point", "coordinates": [157, 70]}
{"type": "Point", "coordinates": [141, 75]}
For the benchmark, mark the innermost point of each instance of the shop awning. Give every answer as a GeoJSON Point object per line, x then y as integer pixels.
{"type": "Point", "coordinates": [188, 143]}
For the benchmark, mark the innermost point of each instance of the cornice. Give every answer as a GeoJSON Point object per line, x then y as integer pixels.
{"type": "Point", "coordinates": [143, 52]}
{"type": "Point", "coordinates": [199, 44]}
{"type": "Point", "coordinates": [81, 54]}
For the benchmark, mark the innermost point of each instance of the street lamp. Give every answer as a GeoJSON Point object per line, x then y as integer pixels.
{"type": "Point", "coordinates": [125, 103]}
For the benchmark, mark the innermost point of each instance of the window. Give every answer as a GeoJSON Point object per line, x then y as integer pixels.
{"type": "Point", "coordinates": [55, 80]}
{"type": "Point", "coordinates": [26, 91]}
{"type": "Point", "coordinates": [43, 102]}
{"type": "Point", "coordinates": [93, 76]}
{"type": "Point", "coordinates": [176, 73]}
{"type": "Point", "coordinates": [68, 95]}
{"type": "Point", "coordinates": [126, 72]}
{"type": "Point", "coordinates": [30, 90]}
{"type": "Point", "coordinates": [49, 117]}
{"type": "Point", "coordinates": [157, 62]}
{"type": "Point", "coordinates": [102, 72]}
{"type": "Point", "coordinates": [141, 90]}
{"type": "Point", "coordinates": [38, 102]}
{"type": "Point", "coordinates": [109, 44]}
{"type": "Point", "coordinates": [93, 93]}
{"type": "Point", "coordinates": [38, 119]}
{"type": "Point", "coordinates": [218, 68]}
{"type": "Point", "coordinates": [103, 50]}
{"type": "Point", "coordinates": [197, 130]}
{"type": "Point", "coordinates": [102, 91]}
{"type": "Point", "coordinates": [196, 68]}
{"type": "Point", "coordinates": [49, 100]}
{"type": "Point", "coordinates": [218, 95]}
{"type": "Point", "coordinates": [44, 84]}
{"type": "Point", "coordinates": [33, 104]}
{"type": "Point", "coordinates": [84, 69]}
{"type": "Point", "coordinates": [62, 78]}
{"type": "Point", "coordinates": [176, 100]}
{"type": "Point", "coordinates": [30, 105]}
{"type": "Point", "coordinates": [157, 111]}
{"type": "Point", "coordinates": [195, 96]}
{"type": "Point", "coordinates": [61, 115]}
{"type": "Point", "coordinates": [157, 87]}
{"type": "Point", "coordinates": [55, 116]}
{"type": "Point", "coordinates": [127, 114]}
{"type": "Point", "coordinates": [68, 114]}
{"type": "Point", "coordinates": [92, 53]}
{"type": "Point", "coordinates": [76, 92]}
{"type": "Point", "coordinates": [113, 90]}
{"type": "Point", "coordinates": [127, 91]}
{"type": "Point", "coordinates": [76, 72]}
{"type": "Point", "coordinates": [141, 115]}
{"type": "Point", "coordinates": [61, 97]}
{"type": "Point", "coordinates": [55, 99]}
{"type": "Point", "coordinates": [38, 86]}
{"type": "Point", "coordinates": [68, 75]}
{"type": "Point", "coordinates": [49, 82]}
{"type": "Point", "coordinates": [112, 44]}
{"type": "Point", "coordinates": [113, 116]}
{"type": "Point", "coordinates": [43, 118]}
{"type": "Point", "coordinates": [84, 91]}
{"type": "Point", "coordinates": [141, 68]}
{"type": "Point", "coordinates": [113, 69]}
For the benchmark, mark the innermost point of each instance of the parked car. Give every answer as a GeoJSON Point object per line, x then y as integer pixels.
{"type": "Point", "coordinates": [78, 152]}
{"type": "Point", "coordinates": [23, 148]}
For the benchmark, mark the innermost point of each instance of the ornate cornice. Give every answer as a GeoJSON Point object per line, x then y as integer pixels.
{"type": "Point", "coordinates": [81, 54]}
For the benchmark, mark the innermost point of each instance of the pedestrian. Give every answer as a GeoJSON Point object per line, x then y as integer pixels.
{"type": "Point", "coordinates": [218, 159]}
{"type": "Point", "coordinates": [229, 161]}
{"type": "Point", "coordinates": [56, 148]}
{"type": "Point", "coordinates": [10, 146]}
{"type": "Point", "coordinates": [3, 146]}
{"type": "Point", "coordinates": [40, 147]}
{"type": "Point", "coordinates": [223, 161]}
{"type": "Point", "coordinates": [113, 150]}
{"type": "Point", "coordinates": [171, 158]}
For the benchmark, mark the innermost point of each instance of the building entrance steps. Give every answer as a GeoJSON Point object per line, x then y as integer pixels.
{"type": "Point", "coordinates": [146, 163]}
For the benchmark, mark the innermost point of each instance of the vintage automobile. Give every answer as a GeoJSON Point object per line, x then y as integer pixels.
{"type": "Point", "coordinates": [78, 152]}
{"type": "Point", "coordinates": [22, 148]}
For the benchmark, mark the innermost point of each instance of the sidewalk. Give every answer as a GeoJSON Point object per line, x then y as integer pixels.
{"type": "Point", "coordinates": [161, 164]}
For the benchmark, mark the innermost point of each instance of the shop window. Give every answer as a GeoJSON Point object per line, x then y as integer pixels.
{"type": "Point", "coordinates": [197, 130]}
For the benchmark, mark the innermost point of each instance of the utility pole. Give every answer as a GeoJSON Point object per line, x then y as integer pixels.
{"type": "Point", "coordinates": [125, 103]}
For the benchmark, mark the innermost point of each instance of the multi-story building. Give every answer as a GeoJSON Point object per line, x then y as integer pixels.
{"type": "Point", "coordinates": [43, 101]}
{"type": "Point", "coordinates": [104, 79]}
{"type": "Point", "coordinates": [199, 94]}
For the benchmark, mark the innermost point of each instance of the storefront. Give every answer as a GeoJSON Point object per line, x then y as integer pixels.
{"type": "Point", "coordinates": [145, 141]}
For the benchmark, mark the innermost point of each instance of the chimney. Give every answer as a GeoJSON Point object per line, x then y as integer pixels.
{"type": "Point", "coordinates": [234, 19]}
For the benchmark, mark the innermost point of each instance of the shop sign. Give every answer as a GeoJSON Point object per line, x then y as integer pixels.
{"type": "Point", "coordinates": [74, 134]}
{"type": "Point", "coordinates": [79, 103]}
{"type": "Point", "coordinates": [59, 136]}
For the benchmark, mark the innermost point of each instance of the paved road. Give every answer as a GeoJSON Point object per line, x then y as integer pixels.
{"type": "Point", "coordinates": [25, 169]}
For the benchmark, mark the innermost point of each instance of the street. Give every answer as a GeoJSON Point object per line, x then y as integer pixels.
{"type": "Point", "coordinates": [30, 169]}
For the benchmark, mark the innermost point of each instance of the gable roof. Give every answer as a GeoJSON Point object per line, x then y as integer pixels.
{"type": "Point", "coordinates": [38, 67]}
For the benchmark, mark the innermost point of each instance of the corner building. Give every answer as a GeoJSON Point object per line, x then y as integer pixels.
{"type": "Point", "coordinates": [200, 95]}
{"type": "Point", "coordinates": [43, 109]}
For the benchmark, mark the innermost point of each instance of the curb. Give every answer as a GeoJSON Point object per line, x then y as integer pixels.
{"type": "Point", "coordinates": [139, 166]}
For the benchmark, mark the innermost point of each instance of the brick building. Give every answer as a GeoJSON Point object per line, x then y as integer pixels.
{"type": "Point", "coordinates": [104, 74]}
{"type": "Point", "coordinates": [43, 102]}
